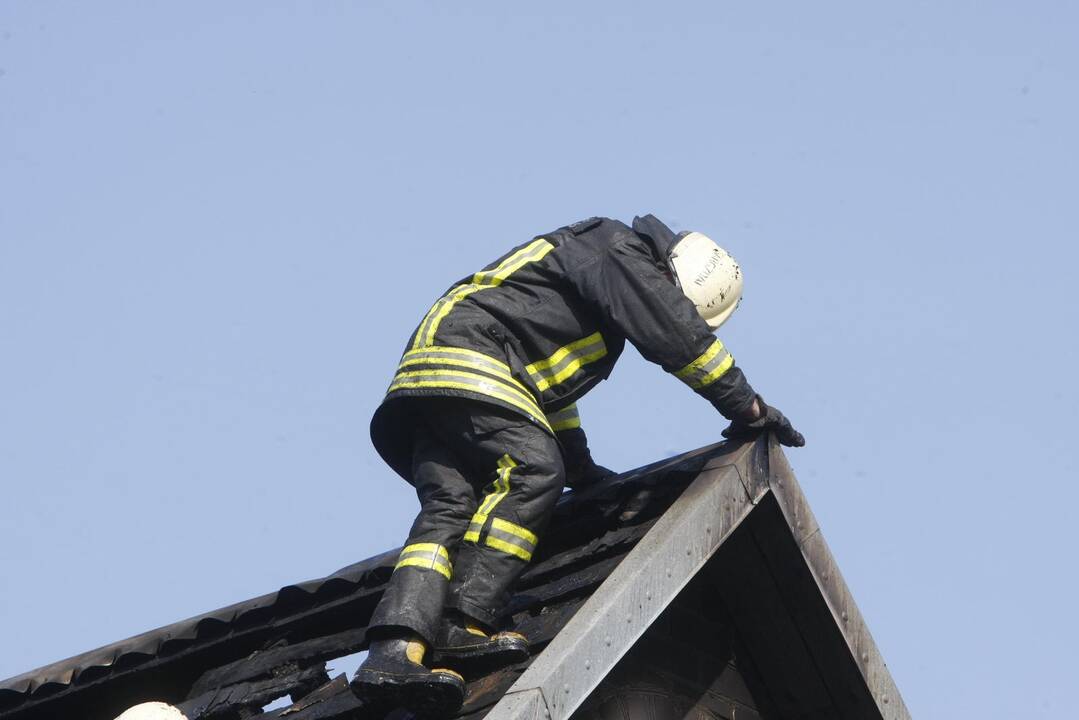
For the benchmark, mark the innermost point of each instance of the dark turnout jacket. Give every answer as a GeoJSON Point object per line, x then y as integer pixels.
{"type": "Point", "coordinates": [541, 326]}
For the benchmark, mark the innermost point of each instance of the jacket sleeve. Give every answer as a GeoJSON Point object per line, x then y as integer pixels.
{"type": "Point", "coordinates": [631, 292]}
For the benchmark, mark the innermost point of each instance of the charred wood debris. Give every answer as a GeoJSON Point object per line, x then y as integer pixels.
{"type": "Point", "coordinates": [230, 665]}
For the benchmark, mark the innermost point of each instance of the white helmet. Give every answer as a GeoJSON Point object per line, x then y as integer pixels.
{"type": "Point", "coordinates": [152, 711]}
{"type": "Point", "coordinates": [708, 276]}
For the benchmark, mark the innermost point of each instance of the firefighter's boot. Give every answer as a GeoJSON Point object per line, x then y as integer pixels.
{"type": "Point", "coordinates": [466, 647]}
{"type": "Point", "coordinates": [393, 676]}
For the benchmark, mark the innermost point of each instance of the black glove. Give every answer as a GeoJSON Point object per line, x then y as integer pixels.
{"type": "Point", "coordinates": [584, 472]}
{"type": "Point", "coordinates": [581, 469]}
{"type": "Point", "coordinates": [770, 420]}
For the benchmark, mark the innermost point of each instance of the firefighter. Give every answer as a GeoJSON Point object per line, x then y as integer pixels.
{"type": "Point", "coordinates": [481, 419]}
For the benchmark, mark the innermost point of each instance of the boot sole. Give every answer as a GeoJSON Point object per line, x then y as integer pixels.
{"type": "Point", "coordinates": [476, 661]}
{"type": "Point", "coordinates": [434, 695]}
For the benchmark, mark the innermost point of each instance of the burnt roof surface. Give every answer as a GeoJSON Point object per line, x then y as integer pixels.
{"type": "Point", "coordinates": [786, 639]}
{"type": "Point", "coordinates": [586, 541]}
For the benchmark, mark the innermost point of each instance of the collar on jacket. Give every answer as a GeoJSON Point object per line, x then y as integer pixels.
{"type": "Point", "coordinates": [660, 237]}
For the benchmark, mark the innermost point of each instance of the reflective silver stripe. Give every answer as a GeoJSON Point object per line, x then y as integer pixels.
{"type": "Point", "coordinates": [459, 356]}
{"type": "Point", "coordinates": [565, 419]}
{"type": "Point", "coordinates": [566, 361]}
{"type": "Point", "coordinates": [710, 366]}
{"type": "Point", "coordinates": [426, 556]}
{"type": "Point", "coordinates": [475, 528]}
{"type": "Point", "coordinates": [462, 379]}
{"type": "Point", "coordinates": [511, 539]}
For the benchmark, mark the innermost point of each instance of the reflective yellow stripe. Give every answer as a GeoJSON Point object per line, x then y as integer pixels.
{"type": "Point", "coordinates": [460, 369]}
{"type": "Point", "coordinates": [449, 385]}
{"type": "Point", "coordinates": [504, 534]}
{"type": "Point", "coordinates": [508, 548]}
{"type": "Point", "coordinates": [459, 357]}
{"type": "Point", "coordinates": [439, 311]}
{"type": "Point", "coordinates": [706, 369]}
{"type": "Point", "coordinates": [475, 527]}
{"type": "Point", "coordinates": [426, 548]}
{"type": "Point", "coordinates": [716, 374]}
{"type": "Point", "coordinates": [426, 564]}
{"type": "Point", "coordinates": [441, 353]}
{"type": "Point", "coordinates": [534, 251]}
{"type": "Point", "coordinates": [465, 380]}
{"type": "Point", "coordinates": [426, 556]}
{"type": "Point", "coordinates": [502, 486]}
{"type": "Point", "coordinates": [515, 539]}
{"type": "Point", "coordinates": [694, 366]}
{"type": "Point", "coordinates": [565, 419]}
{"type": "Point", "coordinates": [492, 499]}
{"type": "Point", "coordinates": [567, 360]}
{"type": "Point", "coordinates": [472, 376]}
{"type": "Point", "coordinates": [561, 353]}
{"type": "Point", "coordinates": [508, 527]}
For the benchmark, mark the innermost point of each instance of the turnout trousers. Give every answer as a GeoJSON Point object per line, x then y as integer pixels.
{"type": "Point", "coordinates": [487, 481]}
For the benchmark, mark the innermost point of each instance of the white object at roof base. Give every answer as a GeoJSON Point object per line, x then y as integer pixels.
{"type": "Point", "coordinates": [152, 711]}
{"type": "Point", "coordinates": [708, 276]}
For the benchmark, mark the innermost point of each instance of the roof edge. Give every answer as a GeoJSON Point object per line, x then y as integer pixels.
{"type": "Point", "coordinates": [723, 495]}
{"type": "Point", "coordinates": [822, 565]}
{"type": "Point", "coordinates": [633, 596]}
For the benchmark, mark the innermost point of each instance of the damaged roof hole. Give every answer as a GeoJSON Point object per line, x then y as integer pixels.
{"type": "Point", "coordinates": [282, 702]}
{"type": "Point", "coordinates": [346, 664]}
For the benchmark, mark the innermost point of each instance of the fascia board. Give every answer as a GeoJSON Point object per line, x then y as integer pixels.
{"type": "Point", "coordinates": [832, 587]}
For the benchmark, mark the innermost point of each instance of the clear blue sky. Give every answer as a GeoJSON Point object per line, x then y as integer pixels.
{"type": "Point", "coordinates": [219, 222]}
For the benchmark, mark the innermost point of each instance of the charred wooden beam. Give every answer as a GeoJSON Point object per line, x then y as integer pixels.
{"type": "Point", "coordinates": [332, 701]}
{"type": "Point", "coordinates": [248, 698]}
{"type": "Point", "coordinates": [263, 663]}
